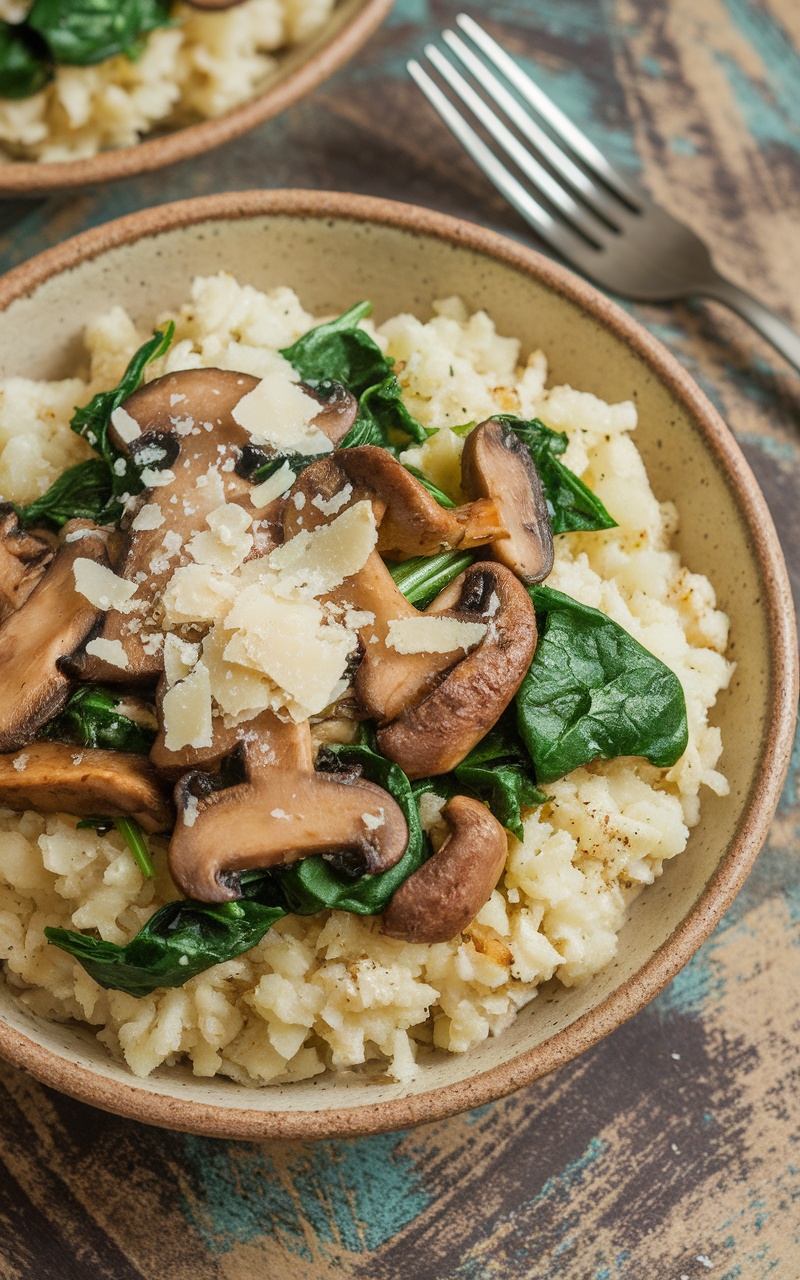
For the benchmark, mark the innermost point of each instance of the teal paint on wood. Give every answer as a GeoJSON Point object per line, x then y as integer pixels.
{"type": "Point", "coordinates": [772, 106]}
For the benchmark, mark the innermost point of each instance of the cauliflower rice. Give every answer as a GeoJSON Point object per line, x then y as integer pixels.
{"type": "Point", "coordinates": [330, 991]}
{"type": "Point", "coordinates": [208, 64]}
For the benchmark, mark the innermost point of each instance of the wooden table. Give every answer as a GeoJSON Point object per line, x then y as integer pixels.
{"type": "Point", "coordinates": [672, 1149]}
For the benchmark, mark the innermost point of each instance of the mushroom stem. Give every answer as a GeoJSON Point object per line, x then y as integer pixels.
{"type": "Point", "coordinates": [445, 894]}
{"type": "Point", "coordinates": [23, 559]}
{"type": "Point", "coordinates": [56, 777]}
{"type": "Point", "coordinates": [282, 812]}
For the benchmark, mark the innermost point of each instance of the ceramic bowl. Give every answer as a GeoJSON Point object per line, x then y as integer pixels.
{"type": "Point", "coordinates": [336, 249]}
{"type": "Point", "coordinates": [299, 71]}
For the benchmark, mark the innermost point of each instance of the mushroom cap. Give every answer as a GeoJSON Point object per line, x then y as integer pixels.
{"type": "Point", "coordinates": [174, 413]}
{"type": "Point", "coordinates": [434, 735]}
{"type": "Point", "coordinates": [23, 559]}
{"type": "Point", "coordinates": [445, 894]}
{"type": "Point", "coordinates": [410, 520]}
{"type": "Point", "coordinates": [496, 464]}
{"type": "Point", "coordinates": [283, 812]}
{"type": "Point", "coordinates": [58, 777]}
{"type": "Point", "coordinates": [37, 639]}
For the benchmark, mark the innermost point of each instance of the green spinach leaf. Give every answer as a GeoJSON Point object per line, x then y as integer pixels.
{"type": "Point", "coordinates": [314, 885]}
{"type": "Point", "coordinates": [92, 718]}
{"type": "Point", "coordinates": [82, 492]}
{"type": "Point", "coordinates": [439, 494]}
{"type": "Point", "coordinates": [179, 941]}
{"type": "Point", "coordinates": [381, 406]}
{"type": "Point", "coordinates": [573, 507]}
{"type": "Point", "coordinates": [83, 32]}
{"type": "Point", "coordinates": [423, 577]}
{"type": "Point", "coordinates": [25, 64]}
{"type": "Point", "coordinates": [592, 690]}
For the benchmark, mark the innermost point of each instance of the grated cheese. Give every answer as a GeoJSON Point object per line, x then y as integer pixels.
{"type": "Point", "coordinates": [278, 413]}
{"type": "Point", "coordinates": [101, 586]}
{"type": "Point", "coordinates": [186, 711]}
{"type": "Point", "coordinates": [111, 651]}
{"type": "Point", "coordinates": [149, 517]}
{"type": "Point", "coordinates": [126, 427]}
{"type": "Point", "coordinates": [322, 560]}
{"type": "Point", "coordinates": [273, 487]}
{"type": "Point", "coordinates": [433, 634]}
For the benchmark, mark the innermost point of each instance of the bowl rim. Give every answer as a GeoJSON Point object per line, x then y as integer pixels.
{"type": "Point", "coordinates": [31, 178]}
{"type": "Point", "coordinates": [138, 1102]}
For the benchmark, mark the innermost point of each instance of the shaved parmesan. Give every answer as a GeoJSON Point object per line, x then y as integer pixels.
{"type": "Point", "coordinates": [277, 412]}
{"type": "Point", "coordinates": [126, 427]}
{"type": "Point", "coordinates": [330, 506]}
{"type": "Point", "coordinates": [186, 711]}
{"type": "Point", "coordinates": [179, 658]}
{"type": "Point", "coordinates": [228, 543]}
{"type": "Point", "coordinates": [196, 594]}
{"type": "Point", "coordinates": [322, 560]}
{"type": "Point", "coordinates": [111, 651]}
{"type": "Point", "coordinates": [273, 486]}
{"type": "Point", "coordinates": [101, 586]}
{"type": "Point", "coordinates": [157, 479]}
{"type": "Point", "coordinates": [240, 693]}
{"type": "Point", "coordinates": [149, 517]}
{"type": "Point", "coordinates": [434, 634]}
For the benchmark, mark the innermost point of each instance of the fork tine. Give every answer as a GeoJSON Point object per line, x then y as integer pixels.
{"type": "Point", "coordinates": [563, 240]}
{"type": "Point", "coordinates": [600, 200]}
{"type": "Point", "coordinates": [585, 222]}
{"type": "Point", "coordinates": [554, 116]}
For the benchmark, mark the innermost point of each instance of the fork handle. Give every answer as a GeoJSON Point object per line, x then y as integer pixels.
{"type": "Point", "coordinates": [768, 324]}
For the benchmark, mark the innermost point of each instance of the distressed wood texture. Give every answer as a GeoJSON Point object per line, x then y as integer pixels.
{"type": "Point", "coordinates": [672, 1150]}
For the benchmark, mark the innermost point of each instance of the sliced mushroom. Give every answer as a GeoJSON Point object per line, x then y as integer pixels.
{"type": "Point", "coordinates": [445, 894]}
{"type": "Point", "coordinates": [283, 812]}
{"type": "Point", "coordinates": [37, 639]}
{"type": "Point", "coordinates": [496, 465]}
{"type": "Point", "coordinates": [23, 559]}
{"type": "Point", "coordinates": [212, 6]}
{"type": "Point", "coordinates": [433, 735]}
{"type": "Point", "coordinates": [410, 520]}
{"type": "Point", "coordinates": [187, 427]}
{"type": "Point", "coordinates": [55, 777]}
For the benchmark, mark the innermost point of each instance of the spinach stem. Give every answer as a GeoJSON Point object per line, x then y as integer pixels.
{"type": "Point", "coordinates": [133, 836]}
{"type": "Point", "coordinates": [423, 577]}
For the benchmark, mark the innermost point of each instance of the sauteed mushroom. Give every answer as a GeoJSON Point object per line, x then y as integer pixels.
{"type": "Point", "coordinates": [184, 425]}
{"type": "Point", "coordinates": [23, 559]}
{"type": "Point", "coordinates": [36, 640]}
{"type": "Point", "coordinates": [441, 898]}
{"type": "Point", "coordinates": [496, 465]}
{"type": "Point", "coordinates": [56, 777]}
{"type": "Point", "coordinates": [284, 811]}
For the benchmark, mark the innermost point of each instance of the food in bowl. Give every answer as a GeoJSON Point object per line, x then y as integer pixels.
{"type": "Point", "coordinates": [403, 628]}
{"type": "Point", "coordinates": [77, 81]}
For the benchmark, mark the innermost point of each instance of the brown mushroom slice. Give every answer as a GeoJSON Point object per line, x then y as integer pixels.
{"type": "Point", "coordinates": [435, 734]}
{"type": "Point", "coordinates": [283, 812]}
{"type": "Point", "coordinates": [23, 559]}
{"type": "Point", "coordinates": [213, 6]}
{"type": "Point", "coordinates": [37, 639]}
{"type": "Point", "coordinates": [445, 894]}
{"type": "Point", "coordinates": [186, 418]}
{"type": "Point", "coordinates": [386, 681]}
{"type": "Point", "coordinates": [57, 777]}
{"type": "Point", "coordinates": [496, 465]}
{"type": "Point", "coordinates": [411, 521]}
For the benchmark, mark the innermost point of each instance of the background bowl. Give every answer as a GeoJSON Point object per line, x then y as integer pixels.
{"type": "Point", "coordinates": [335, 250]}
{"type": "Point", "coordinates": [299, 70]}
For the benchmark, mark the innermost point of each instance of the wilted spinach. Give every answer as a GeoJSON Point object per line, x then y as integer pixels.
{"type": "Point", "coordinates": [181, 940]}
{"type": "Point", "coordinates": [25, 63]}
{"type": "Point", "coordinates": [92, 718]}
{"type": "Point", "coordinates": [572, 505]}
{"type": "Point", "coordinates": [83, 32]}
{"type": "Point", "coordinates": [339, 351]}
{"type": "Point", "coordinates": [96, 489]}
{"type": "Point", "coordinates": [131, 833]}
{"type": "Point", "coordinates": [592, 690]}
{"type": "Point", "coordinates": [313, 884]}
{"type": "Point", "coordinates": [423, 577]}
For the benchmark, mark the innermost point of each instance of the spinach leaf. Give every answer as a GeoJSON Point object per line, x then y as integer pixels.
{"type": "Point", "coordinates": [571, 503]}
{"type": "Point", "coordinates": [423, 577]}
{"type": "Point", "coordinates": [83, 32]}
{"type": "Point", "coordinates": [341, 352]}
{"type": "Point", "coordinates": [25, 65]}
{"type": "Point", "coordinates": [592, 690]}
{"type": "Point", "coordinates": [181, 940]}
{"type": "Point", "coordinates": [82, 492]}
{"type": "Point", "coordinates": [496, 771]}
{"type": "Point", "coordinates": [314, 885]}
{"type": "Point", "coordinates": [131, 833]}
{"type": "Point", "coordinates": [91, 717]}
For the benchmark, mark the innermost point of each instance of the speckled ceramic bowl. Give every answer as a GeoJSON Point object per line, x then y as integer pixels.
{"type": "Point", "coordinates": [299, 71]}
{"type": "Point", "coordinates": [334, 250]}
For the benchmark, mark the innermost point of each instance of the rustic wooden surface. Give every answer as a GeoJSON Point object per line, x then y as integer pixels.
{"type": "Point", "coordinates": [672, 1150]}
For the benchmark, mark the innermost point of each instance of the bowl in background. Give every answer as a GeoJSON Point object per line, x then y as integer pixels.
{"type": "Point", "coordinates": [335, 250]}
{"type": "Point", "coordinates": [300, 69]}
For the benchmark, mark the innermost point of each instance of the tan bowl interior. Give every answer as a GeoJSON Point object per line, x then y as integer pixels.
{"type": "Point", "coordinates": [298, 71]}
{"type": "Point", "coordinates": [322, 248]}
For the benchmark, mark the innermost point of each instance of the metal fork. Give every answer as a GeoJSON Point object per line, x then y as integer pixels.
{"type": "Point", "coordinates": [598, 220]}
